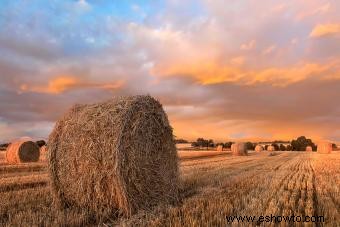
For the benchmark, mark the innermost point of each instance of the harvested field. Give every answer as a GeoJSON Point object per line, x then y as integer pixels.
{"type": "Point", "coordinates": [213, 186]}
{"type": "Point", "coordinates": [2, 157]}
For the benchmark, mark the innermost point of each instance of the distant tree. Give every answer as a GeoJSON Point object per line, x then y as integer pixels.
{"type": "Point", "coordinates": [266, 147]}
{"type": "Point", "coordinates": [250, 146]}
{"type": "Point", "coordinates": [40, 143]}
{"type": "Point", "coordinates": [201, 142]}
{"type": "Point", "coordinates": [180, 141]}
{"type": "Point", "coordinates": [276, 146]}
{"type": "Point", "coordinates": [282, 147]}
{"type": "Point", "coordinates": [194, 144]}
{"type": "Point", "coordinates": [228, 144]}
{"type": "Point", "coordinates": [289, 147]}
{"type": "Point", "coordinates": [219, 144]}
{"type": "Point", "coordinates": [280, 141]}
{"type": "Point", "coordinates": [334, 146]}
{"type": "Point", "coordinates": [211, 143]}
{"type": "Point", "coordinates": [301, 143]}
{"type": "Point", "coordinates": [4, 146]}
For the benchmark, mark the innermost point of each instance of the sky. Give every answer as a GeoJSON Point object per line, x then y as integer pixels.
{"type": "Point", "coordinates": [225, 70]}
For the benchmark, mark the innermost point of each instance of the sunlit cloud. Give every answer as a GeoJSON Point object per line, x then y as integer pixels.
{"type": "Point", "coordinates": [62, 84]}
{"type": "Point", "coordinates": [323, 30]}
{"type": "Point", "coordinates": [210, 73]}
{"type": "Point", "coordinates": [240, 70]}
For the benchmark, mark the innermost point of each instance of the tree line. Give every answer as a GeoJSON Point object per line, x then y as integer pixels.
{"type": "Point", "coordinates": [299, 144]}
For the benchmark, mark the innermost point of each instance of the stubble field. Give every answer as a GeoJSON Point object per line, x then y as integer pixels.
{"type": "Point", "coordinates": [214, 185]}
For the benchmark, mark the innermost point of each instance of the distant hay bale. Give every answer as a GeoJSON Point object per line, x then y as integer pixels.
{"type": "Point", "coordinates": [219, 148]}
{"type": "Point", "coordinates": [22, 151]}
{"type": "Point", "coordinates": [43, 153]}
{"type": "Point", "coordinates": [270, 148]}
{"type": "Point", "coordinates": [239, 149]}
{"type": "Point", "coordinates": [117, 157]}
{"type": "Point", "coordinates": [258, 148]}
{"type": "Point", "coordinates": [324, 148]}
{"type": "Point", "coordinates": [309, 149]}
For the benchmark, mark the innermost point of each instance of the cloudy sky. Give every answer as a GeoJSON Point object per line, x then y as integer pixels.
{"type": "Point", "coordinates": [227, 70]}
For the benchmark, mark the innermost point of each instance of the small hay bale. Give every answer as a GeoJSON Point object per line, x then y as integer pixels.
{"type": "Point", "coordinates": [259, 148]}
{"type": "Point", "coordinates": [43, 153]}
{"type": "Point", "coordinates": [309, 149]}
{"type": "Point", "coordinates": [21, 152]}
{"type": "Point", "coordinates": [219, 148]}
{"type": "Point", "coordinates": [324, 148]}
{"type": "Point", "coordinates": [115, 157]}
{"type": "Point", "coordinates": [270, 148]}
{"type": "Point", "coordinates": [239, 149]}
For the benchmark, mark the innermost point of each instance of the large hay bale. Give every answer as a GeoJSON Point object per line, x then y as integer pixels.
{"type": "Point", "coordinates": [270, 148]}
{"type": "Point", "coordinates": [43, 153]}
{"type": "Point", "coordinates": [259, 148]}
{"type": "Point", "coordinates": [22, 151]}
{"type": "Point", "coordinates": [324, 148]}
{"type": "Point", "coordinates": [117, 156]}
{"type": "Point", "coordinates": [219, 148]}
{"type": "Point", "coordinates": [239, 149]}
{"type": "Point", "coordinates": [309, 149]}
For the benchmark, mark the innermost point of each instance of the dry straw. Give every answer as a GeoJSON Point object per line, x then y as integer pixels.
{"type": "Point", "coordinates": [309, 149]}
{"type": "Point", "coordinates": [324, 148]}
{"type": "Point", "coordinates": [117, 157]}
{"type": "Point", "coordinates": [22, 151]}
{"type": "Point", "coordinates": [219, 148]}
{"type": "Point", "coordinates": [239, 149]}
{"type": "Point", "coordinates": [43, 153]}
{"type": "Point", "coordinates": [270, 148]}
{"type": "Point", "coordinates": [258, 148]}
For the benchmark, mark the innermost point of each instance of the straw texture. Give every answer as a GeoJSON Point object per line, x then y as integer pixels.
{"type": "Point", "coordinates": [117, 157]}
{"type": "Point", "coordinates": [21, 152]}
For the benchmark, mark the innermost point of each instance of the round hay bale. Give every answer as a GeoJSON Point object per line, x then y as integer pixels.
{"type": "Point", "coordinates": [258, 148]}
{"type": "Point", "coordinates": [270, 148]}
{"type": "Point", "coordinates": [324, 148]}
{"type": "Point", "coordinates": [309, 149]}
{"type": "Point", "coordinates": [219, 148]}
{"type": "Point", "coordinates": [117, 157]}
{"type": "Point", "coordinates": [43, 153]}
{"type": "Point", "coordinates": [22, 151]}
{"type": "Point", "coordinates": [239, 149]}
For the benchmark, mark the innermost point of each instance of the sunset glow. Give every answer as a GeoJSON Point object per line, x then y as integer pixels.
{"type": "Point", "coordinates": [225, 70]}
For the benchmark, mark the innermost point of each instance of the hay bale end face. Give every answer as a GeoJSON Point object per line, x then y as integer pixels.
{"type": "Point", "coordinates": [22, 152]}
{"type": "Point", "coordinates": [43, 153]}
{"type": "Point", "coordinates": [309, 149]}
{"type": "Point", "coordinates": [258, 148]}
{"type": "Point", "coordinates": [239, 149]}
{"type": "Point", "coordinates": [324, 148]}
{"type": "Point", "coordinates": [270, 148]}
{"type": "Point", "coordinates": [117, 156]}
{"type": "Point", "coordinates": [219, 148]}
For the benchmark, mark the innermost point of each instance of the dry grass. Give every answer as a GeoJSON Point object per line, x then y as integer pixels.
{"type": "Point", "coordinates": [303, 183]}
{"type": "Point", "coordinates": [117, 156]}
{"type": "Point", "coordinates": [22, 151]}
{"type": "Point", "coordinates": [2, 158]}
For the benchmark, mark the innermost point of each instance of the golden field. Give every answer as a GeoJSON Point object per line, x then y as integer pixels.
{"type": "Point", "coordinates": [214, 184]}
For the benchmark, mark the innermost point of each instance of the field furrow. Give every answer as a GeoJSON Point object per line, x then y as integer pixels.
{"type": "Point", "coordinates": [213, 186]}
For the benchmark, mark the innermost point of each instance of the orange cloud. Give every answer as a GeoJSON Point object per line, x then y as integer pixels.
{"type": "Point", "coordinates": [322, 30]}
{"type": "Point", "coordinates": [61, 84]}
{"type": "Point", "coordinates": [213, 73]}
